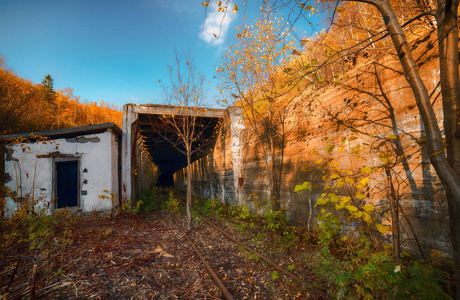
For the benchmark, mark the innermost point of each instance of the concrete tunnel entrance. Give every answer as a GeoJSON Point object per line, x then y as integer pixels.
{"type": "Point", "coordinates": [143, 145]}
{"type": "Point", "coordinates": [166, 149]}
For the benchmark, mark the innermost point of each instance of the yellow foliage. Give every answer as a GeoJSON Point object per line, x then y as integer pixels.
{"type": "Point", "coordinates": [321, 201]}
{"type": "Point", "coordinates": [366, 170]}
{"type": "Point", "coordinates": [351, 208]}
{"type": "Point", "coordinates": [367, 218]}
{"type": "Point", "coordinates": [362, 183]}
{"type": "Point", "coordinates": [382, 228]}
{"type": "Point", "coordinates": [359, 195]}
{"type": "Point", "coordinates": [368, 207]}
{"type": "Point", "coordinates": [349, 180]}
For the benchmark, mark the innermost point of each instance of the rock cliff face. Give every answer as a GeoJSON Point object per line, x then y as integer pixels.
{"type": "Point", "coordinates": [371, 102]}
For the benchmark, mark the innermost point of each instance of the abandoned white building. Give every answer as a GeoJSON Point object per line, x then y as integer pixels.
{"type": "Point", "coordinates": [74, 167]}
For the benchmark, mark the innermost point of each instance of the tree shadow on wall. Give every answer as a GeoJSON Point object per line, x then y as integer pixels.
{"type": "Point", "coordinates": [381, 105]}
{"type": "Point", "coordinates": [264, 155]}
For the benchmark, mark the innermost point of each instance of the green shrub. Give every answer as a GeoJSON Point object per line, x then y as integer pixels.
{"type": "Point", "coordinates": [147, 201]}
{"type": "Point", "coordinates": [367, 275]}
{"type": "Point", "coordinates": [276, 220]}
{"type": "Point", "coordinates": [172, 204]}
{"type": "Point", "coordinates": [239, 212]}
{"type": "Point", "coordinates": [214, 205]}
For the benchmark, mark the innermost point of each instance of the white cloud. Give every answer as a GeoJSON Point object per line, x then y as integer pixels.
{"type": "Point", "coordinates": [216, 23]}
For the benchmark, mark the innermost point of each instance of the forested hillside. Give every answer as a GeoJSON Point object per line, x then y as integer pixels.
{"type": "Point", "coordinates": [26, 106]}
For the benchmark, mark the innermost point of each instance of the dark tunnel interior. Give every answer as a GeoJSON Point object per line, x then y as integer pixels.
{"type": "Point", "coordinates": [168, 157]}
{"type": "Point", "coordinates": [165, 179]}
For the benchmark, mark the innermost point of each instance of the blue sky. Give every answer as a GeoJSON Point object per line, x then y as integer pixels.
{"type": "Point", "coordinates": [115, 50]}
{"type": "Point", "coordinates": [111, 50]}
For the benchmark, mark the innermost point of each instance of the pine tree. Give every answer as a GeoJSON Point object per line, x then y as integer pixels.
{"type": "Point", "coordinates": [48, 90]}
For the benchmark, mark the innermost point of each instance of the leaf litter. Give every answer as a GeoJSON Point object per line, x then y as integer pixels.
{"type": "Point", "coordinates": [141, 257]}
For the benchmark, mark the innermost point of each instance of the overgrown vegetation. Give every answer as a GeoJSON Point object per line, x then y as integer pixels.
{"type": "Point", "coordinates": [354, 257]}
{"type": "Point", "coordinates": [43, 235]}
{"type": "Point", "coordinates": [350, 265]}
{"type": "Point", "coordinates": [28, 222]}
{"type": "Point", "coordinates": [273, 224]}
{"type": "Point", "coordinates": [152, 200]}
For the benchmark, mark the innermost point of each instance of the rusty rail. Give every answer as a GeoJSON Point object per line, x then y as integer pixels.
{"type": "Point", "coordinates": [261, 256]}
{"type": "Point", "coordinates": [211, 272]}
{"type": "Point", "coordinates": [267, 260]}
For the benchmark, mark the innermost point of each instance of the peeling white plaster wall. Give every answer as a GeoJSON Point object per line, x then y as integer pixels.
{"type": "Point", "coordinates": [98, 156]}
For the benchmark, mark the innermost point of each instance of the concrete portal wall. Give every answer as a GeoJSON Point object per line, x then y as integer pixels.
{"type": "Point", "coordinates": [375, 99]}
{"type": "Point", "coordinates": [138, 172]}
{"type": "Point", "coordinates": [217, 173]}
{"type": "Point", "coordinates": [29, 170]}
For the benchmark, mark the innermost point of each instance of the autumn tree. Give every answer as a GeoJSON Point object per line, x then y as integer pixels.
{"type": "Point", "coordinates": [185, 130]}
{"type": "Point", "coordinates": [444, 149]}
{"type": "Point", "coordinates": [16, 97]}
{"type": "Point", "coordinates": [252, 73]}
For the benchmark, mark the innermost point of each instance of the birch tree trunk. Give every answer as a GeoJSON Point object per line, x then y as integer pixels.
{"type": "Point", "coordinates": [189, 190]}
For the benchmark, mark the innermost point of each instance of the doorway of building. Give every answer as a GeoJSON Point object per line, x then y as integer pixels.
{"type": "Point", "coordinates": [66, 183]}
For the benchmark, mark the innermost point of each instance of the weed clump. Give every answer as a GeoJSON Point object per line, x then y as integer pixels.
{"type": "Point", "coordinates": [40, 232]}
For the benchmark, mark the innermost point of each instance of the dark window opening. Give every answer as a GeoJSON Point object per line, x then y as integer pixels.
{"type": "Point", "coordinates": [165, 179]}
{"type": "Point", "coordinates": [67, 184]}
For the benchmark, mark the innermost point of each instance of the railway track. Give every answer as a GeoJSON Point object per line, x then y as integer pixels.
{"type": "Point", "coordinates": [152, 257]}
{"type": "Point", "coordinates": [231, 266]}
